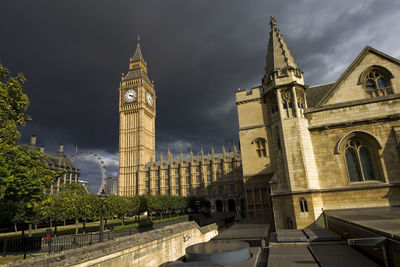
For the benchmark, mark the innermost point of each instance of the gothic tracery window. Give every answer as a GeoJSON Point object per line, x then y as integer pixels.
{"type": "Point", "coordinates": [377, 83]}
{"type": "Point", "coordinates": [287, 102]}
{"type": "Point", "coordinates": [359, 160]}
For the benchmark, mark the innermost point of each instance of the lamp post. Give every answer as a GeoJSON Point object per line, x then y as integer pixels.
{"type": "Point", "coordinates": [102, 196]}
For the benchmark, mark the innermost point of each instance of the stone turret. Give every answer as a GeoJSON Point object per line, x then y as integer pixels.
{"type": "Point", "coordinates": [169, 156]}
{"type": "Point", "coordinates": [235, 151]}
{"type": "Point", "coordinates": [281, 68]}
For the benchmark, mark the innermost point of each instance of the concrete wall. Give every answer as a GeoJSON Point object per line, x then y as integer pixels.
{"type": "Point", "coordinates": [145, 249]}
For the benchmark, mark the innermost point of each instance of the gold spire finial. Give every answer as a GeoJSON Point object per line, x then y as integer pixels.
{"type": "Point", "coordinates": [138, 38]}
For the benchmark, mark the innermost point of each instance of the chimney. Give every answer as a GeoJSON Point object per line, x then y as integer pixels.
{"type": "Point", "coordinates": [33, 140]}
{"type": "Point", "coordinates": [61, 148]}
{"type": "Point", "coordinates": [42, 149]}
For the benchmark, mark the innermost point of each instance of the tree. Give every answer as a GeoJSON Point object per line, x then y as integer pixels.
{"type": "Point", "coordinates": [24, 177]}
{"type": "Point", "coordinates": [76, 202]}
{"type": "Point", "coordinates": [116, 206]}
{"type": "Point", "coordinates": [92, 211]}
{"type": "Point", "coordinates": [53, 209]}
{"type": "Point", "coordinates": [134, 205]}
{"type": "Point", "coordinates": [153, 204]}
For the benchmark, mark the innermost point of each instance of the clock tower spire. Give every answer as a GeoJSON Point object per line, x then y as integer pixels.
{"type": "Point", "coordinates": [137, 109]}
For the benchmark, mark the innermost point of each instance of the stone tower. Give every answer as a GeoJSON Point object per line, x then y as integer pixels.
{"type": "Point", "coordinates": [292, 155]}
{"type": "Point", "coordinates": [137, 108]}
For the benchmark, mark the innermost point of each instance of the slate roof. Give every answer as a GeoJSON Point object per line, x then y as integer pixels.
{"type": "Point", "coordinates": [136, 73]}
{"type": "Point", "coordinates": [138, 52]}
{"type": "Point", "coordinates": [59, 160]}
{"type": "Point", "coordinates": [316, 93]}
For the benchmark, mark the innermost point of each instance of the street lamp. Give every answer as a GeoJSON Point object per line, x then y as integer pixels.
{"type": "Point", "coordinates": [102, 196]}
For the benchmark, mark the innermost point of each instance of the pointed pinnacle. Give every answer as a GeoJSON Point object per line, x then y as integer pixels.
{"type": "Point", "coordinates": [272, 21]}
{"type": "Point", "coordinates": [138, 38]}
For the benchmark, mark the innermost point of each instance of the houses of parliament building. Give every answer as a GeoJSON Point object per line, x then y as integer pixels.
{"type": "Point", "coordinates": [303, 149]}
{"type": "Point", "coordinates": [216, 176]}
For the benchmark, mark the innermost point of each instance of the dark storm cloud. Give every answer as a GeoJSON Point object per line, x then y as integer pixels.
{"type": "Point", "coordinates": [198, 54]}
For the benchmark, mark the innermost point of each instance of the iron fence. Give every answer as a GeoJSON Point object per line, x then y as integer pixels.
{"type": "Point", "coordinates": [66, 242]}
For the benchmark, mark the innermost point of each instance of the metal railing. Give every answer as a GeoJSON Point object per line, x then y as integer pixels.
{"type": "Point", "coordinates": [66, 242]}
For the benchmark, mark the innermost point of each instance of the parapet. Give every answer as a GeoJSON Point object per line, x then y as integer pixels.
{"type": "Point", "coordinates": [242, 95]}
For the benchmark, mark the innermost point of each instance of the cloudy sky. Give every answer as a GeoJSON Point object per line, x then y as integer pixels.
{"type": "Point", "coordinates": [198, 53]}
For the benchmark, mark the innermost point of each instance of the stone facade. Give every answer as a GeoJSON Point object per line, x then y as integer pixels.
{"type": "Point", "coordinates": [145, 249]}
{"type": "Point", "coordinates": [331, 146]}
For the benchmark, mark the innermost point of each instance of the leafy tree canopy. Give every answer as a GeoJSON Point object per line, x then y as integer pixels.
{"type": "Point", "coordinates": [24, 177]}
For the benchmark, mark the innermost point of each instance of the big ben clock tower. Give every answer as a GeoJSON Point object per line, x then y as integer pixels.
{"type": "Point", "coordinates": [137, 109]}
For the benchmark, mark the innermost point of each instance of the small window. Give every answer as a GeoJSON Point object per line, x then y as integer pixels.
{"type": "Point", "coordinates": [187, 180]}
{"type": "Point", "coordinates": [208, 177]}
{"type": "Point", "coordinates": [303, 205]}
{"type": "Point", "coordinates": [219, 177]}
{"type": "Point", "coordinates": [261, 149]}
{"type": "Point", "coordinates": [198, 179]}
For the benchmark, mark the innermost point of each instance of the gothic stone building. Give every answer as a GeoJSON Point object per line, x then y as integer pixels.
{"type": "Point", "coordinates": [56, 162]}
{"type": "Point", "coordinates": [331, 146]}
{"type": "Point", "coordinates": [215, 176]}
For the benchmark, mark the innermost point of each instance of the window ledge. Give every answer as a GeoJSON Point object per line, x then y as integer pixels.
{"type": "Point", "coordinates": [368, 182]}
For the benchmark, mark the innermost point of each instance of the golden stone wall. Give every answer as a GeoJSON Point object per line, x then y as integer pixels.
{"type": "Point", "coordinates": [306, 145]}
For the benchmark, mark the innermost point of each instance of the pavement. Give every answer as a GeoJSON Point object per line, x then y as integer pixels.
{"type": "Point", "coordinates": [382, 220]}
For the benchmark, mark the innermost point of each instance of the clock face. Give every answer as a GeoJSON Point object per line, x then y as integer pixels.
{"type": "Point", "coordinates": [149, 99]}
{"type": "Point", "coordinates": [130, 95]}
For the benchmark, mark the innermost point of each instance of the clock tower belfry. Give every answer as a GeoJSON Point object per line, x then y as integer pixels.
{"type": "Point", "coordinates": [137, 109]}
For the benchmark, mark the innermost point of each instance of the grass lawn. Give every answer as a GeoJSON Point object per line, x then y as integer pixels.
{"type": "Point", "coordinates": [92, 227]}
{"type": "Point", "coordinates": [10, 258]}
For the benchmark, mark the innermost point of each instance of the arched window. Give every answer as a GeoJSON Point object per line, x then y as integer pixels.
{"type": "Point", "coordinates": [359, 160]}
{"type": "Point", "coordinates": [261, 149]}
{"type": "Point", "coordinates": [376, 81]}
{"type": "Point", "coordinates": [303, 205]}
